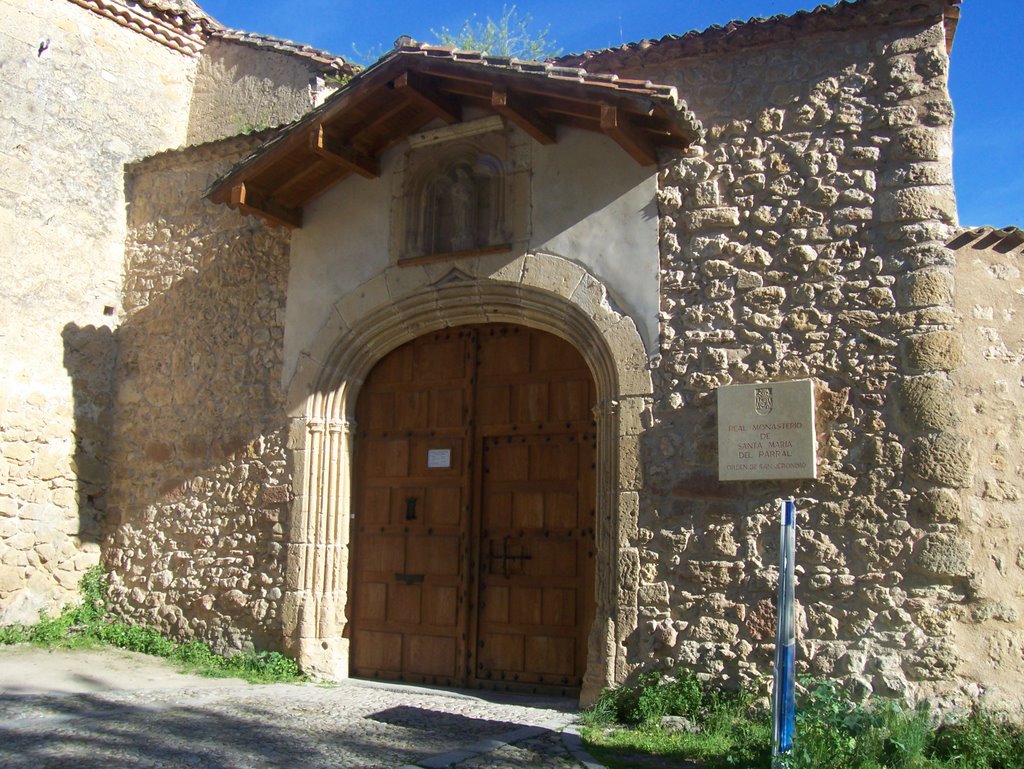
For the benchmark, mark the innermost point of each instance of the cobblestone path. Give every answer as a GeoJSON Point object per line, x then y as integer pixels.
{"type": "Point", "coordinates": [238, 726]}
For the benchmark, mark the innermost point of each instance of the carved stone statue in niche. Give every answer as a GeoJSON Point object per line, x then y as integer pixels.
{"type": "Point", "coordinates": [454, 202]}
{"type": "Point", "coordinates": [451, 211]}
{"type": "Point", "coordinates": [464, 208]}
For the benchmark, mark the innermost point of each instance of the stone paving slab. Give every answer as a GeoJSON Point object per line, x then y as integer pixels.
{"type": "Point", "coordinates": [171, 722]}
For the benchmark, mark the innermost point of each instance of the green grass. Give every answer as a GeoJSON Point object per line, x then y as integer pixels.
{"type": "Point", "coordinates": [89, 625]}
{"type": "Point", "coordinates": [623, 729]}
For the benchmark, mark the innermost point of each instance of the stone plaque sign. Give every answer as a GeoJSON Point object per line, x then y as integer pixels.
{"type": "Point", "coordinates": [766, 431]}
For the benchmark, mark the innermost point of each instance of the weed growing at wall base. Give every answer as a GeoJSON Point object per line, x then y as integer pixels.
{"type": "Point", "coordinates": [628, 728]}
{"type": "Point", "coordinates": [89, 625]}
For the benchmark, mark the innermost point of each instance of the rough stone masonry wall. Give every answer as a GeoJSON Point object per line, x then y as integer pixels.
{"type": "Point", "coordinates": [806, 240]}
{"type": "Point", "coordinates": [240, 89]}
{"type": "Point", "coordinates": [990, 386]}
{"type": "Point", "coordinates": [81, 96]}
{"type": "Point", "coordinates": [200, 486]}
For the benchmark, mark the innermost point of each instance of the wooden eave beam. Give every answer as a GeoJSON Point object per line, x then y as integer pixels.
{"type": "Point", "coordinates": [616, 125]}
{"type": "Point", "coordinates": [309, 184]}
{"type": "Point", "coordinates": [345, 157]}
{"type": "Point", "coordinates": [371, 123]}
{"type": "Point", "coordinates": [584, 93]}
{"type": "Point", "coordinates": [521, 114]}
{"type": "Point", "coordinates": [251, 201]}
{"type": "Point", "coordinates": [416, 89]}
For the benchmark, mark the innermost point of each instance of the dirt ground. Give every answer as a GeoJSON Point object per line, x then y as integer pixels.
{"type": "Point", "coordinates": [28, 670]}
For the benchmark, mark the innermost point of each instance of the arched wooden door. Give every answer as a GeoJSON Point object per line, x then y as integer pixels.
{"type": "Point", "coordinates": [473, 515]}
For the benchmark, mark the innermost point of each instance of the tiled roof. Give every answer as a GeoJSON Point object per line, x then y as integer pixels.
{"type": "Point", "coordinates": [416, 84]}
{"type": "Point", "coordinates": [183, 26]}
{"type": "Point", "coordinates": [666, 95]}
{"type": "Point", "coordinates": [182, 7]}
{"type": "Point", "coordinates": [845, 14]}
{"type": "Point", "coordinates": [193, 153]}
{"type": "Point", "coordinates": [328, 62]}
{"type": "Point", "coordinates": [989, 238]}
{"type": "Point", "coordinates": [159, 20]}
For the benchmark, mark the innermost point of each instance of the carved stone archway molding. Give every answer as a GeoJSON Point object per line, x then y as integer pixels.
{"type": "Point", "coordinates": [536, 290]}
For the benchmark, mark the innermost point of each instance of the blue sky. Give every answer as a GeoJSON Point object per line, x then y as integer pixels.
{"type": "Point", "coordinates": [987, 79]}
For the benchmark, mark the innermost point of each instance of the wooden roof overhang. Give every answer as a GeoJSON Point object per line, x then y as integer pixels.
{"type": "Point", "coordinates": [417, 84]}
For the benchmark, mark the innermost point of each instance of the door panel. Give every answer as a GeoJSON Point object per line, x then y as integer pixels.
{"type": "Point", "coordinates": [537, 565]}
{"type": "Point", "coordinates": [411, 529]}
{"type": "Point", "coordinates": [473, 534]}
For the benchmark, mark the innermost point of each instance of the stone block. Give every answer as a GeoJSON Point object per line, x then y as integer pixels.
{"type": "Point", "coordinates": [919, 143]}
{"type": "Point", "coordinates": [591, 297]}
{"type": "Point", "coordinates": [944, 458]}
{"type": "Point", "coordinates": [654, 595]}
{"type": "Point", "coordinates": [745, 279]}
{"type": "Point", "coordinates": [926, 288]}
{"type": "Point", "coordinates": [629, 514]}
{"type": "Point", "coordinates": [917, 175]}
{"type": "Point", "coordinates": [916, 204]}
{"type": "Point", "coordinates": [11, 578]}
{"type": "Point", "coordinates": [552, 273]}
{"type": "Point", "coordinates": [927, 402]}
{"type": "Point", "coordinates": [801, 255]}
{"type": "Point", "coordinates": [723, 216]}
{"type": "Point", "coordinates": [706, 194]}
{"type": "Point", "coordinates": [766, 298]}
{"type": "Point", "coordinates": [944, 555]}
{"type": "Point", "coordinates": [23, 608]}
{"type": "Point", "coordinates": [934, 351]}
{"type": "Point", "coordinates": [276, 494]}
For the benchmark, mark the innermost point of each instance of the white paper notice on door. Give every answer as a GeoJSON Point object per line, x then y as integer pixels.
{"type": "Point", "coordinates": [439, 458]}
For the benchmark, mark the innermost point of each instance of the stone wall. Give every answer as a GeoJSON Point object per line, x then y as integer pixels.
{"type": "Point", "coordinates": [990, 389]}
{"type": "Point", "coordinates": [200, 486]}
{"type": "Point", "coordinates": [74, 85]}
{"type": "Point", "coordinates": [806, 239]}
{"type": "Point", "coordinates": [240, 88]}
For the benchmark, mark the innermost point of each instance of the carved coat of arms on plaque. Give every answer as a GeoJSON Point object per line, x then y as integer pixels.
{"type": "Point", "coordinates": [766, 431]}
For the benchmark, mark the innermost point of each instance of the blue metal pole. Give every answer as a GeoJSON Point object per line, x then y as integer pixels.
{"type": "Point", "coordinates": [784, 690]}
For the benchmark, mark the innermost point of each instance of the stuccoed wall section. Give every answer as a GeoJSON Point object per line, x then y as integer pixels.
{"type": "Point", "coordinates": [82, 96]}
{"type": "Point", "coordinates": [240, 88]}
{"type": "Point", "coordinates": [200, 487]}
{"type": "Point", "coordinates": [990, 390]}
{"type": "Point", "coordinates": [806, 239]}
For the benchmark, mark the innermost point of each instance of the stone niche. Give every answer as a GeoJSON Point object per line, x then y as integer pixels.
{"type": "Point", "coordinates": [457, 193]}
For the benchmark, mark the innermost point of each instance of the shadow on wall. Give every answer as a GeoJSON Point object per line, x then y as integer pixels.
{"type": "Point", "coordinates": [189, 496]}
{"type": "Point", "coordinates": [90, 355]}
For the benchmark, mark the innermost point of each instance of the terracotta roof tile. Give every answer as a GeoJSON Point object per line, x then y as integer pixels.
{"type": "Point", "coordinates": [183, 26]}
{"type": "Point", "coordinates": [330, 63]}
{"type": "Point", "coordinates": [554, 70]}
{"type": "Point", "coordinates": [989, 238]}
{"type": "Point", "coordinates": [844, 14]}
{"type": "Point", "coordinates": [421, 83]}
{"type": "Point", "coordinates": [173, 27]}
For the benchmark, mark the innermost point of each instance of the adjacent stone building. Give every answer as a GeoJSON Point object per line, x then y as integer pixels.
{"type": "Point", "coordinates": [89, 86]}
{"type": "Point", "coordinates": [421, 385]}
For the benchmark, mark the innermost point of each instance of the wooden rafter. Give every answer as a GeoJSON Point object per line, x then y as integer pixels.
{"type": "Point", "coordinates": [616, 125]}
{"type": "Point", "coordinates": [309, 183]}
{"type": "Point", "coordinates": [252, 201]}
{"type": "Point", "coordinates": [342, 156]}
{"type": "Point", "coordinates": [409, 89]}
{"type": "Point", "coordinates": [517, 111]}
{"type": "Point", "coordinates": [416, 88]}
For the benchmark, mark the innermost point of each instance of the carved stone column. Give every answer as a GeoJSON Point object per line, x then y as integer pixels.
{"type": "Point", "coordinates": [318, 551]}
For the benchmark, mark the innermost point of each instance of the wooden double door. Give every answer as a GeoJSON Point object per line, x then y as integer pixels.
{"type": "Point", "coordinates": [473, 527]}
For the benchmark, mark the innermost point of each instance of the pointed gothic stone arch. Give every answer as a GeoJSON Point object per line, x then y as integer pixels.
{"type": "Point", "coordinates": [543, 292]}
